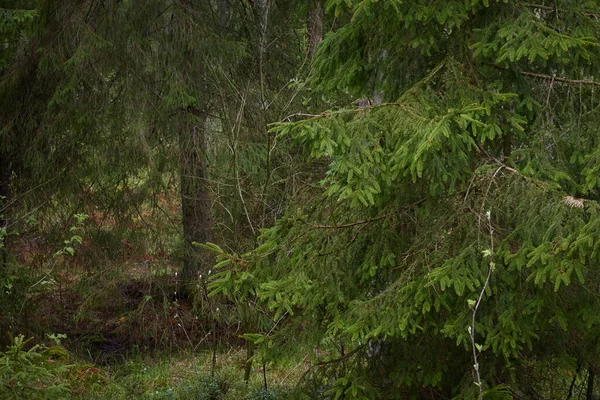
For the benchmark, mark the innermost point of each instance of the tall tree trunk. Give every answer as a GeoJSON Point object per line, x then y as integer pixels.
{"type": "Point", "coordinates": [262, 13]}
{"type": "Point", "coordinates": [195, 199]}
{"type": "Point", "coordinates": [224, 10]}
{"type": "Point", "coordinates": [262, 16]}
{"type": "Point", "coordinates": [314, 25]}
{"type": "Point", "coordinates": [193, 162]}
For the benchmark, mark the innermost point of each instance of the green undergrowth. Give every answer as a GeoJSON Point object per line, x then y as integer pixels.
{"type": "Point", "coordinates": [31, 371]}
{"type": "Point", "coordinates": [183, 377]}
{"type": "Point", "coordinates": [51, 372]}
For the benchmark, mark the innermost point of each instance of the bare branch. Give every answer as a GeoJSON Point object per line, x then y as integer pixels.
{"type": "Point", "coordinates": [555, 9]}
{"type": "Point", "coordinates": [551, 78]}
{"type": "Point", "coordinates": [368, 221]}
{"type": "Point", "coordinates": [554, 78]}
{"type": "Point", "coordinates": [349, 225]}
{"type": "Point", "coordinates": [476, 306]}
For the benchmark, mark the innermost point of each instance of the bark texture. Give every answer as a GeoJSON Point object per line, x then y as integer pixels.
{"type": "Point", "coordinates": [314, 25]}
{"type": "Point", "coordinates": [224, 12]}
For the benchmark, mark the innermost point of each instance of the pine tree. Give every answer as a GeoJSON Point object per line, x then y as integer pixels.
{"type": "Point", "coordinates": [455, 237]}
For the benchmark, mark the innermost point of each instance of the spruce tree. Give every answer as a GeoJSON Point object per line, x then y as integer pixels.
{"type": "Point", "coordinates": [452, 251]}
{"type": "Point", "coordinates": [142, 94]}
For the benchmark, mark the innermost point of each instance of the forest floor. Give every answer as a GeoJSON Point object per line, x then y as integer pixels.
{"type": "Point", "coordinates": [137, 339]}
{"type": "Point", "coordinates": [182, 375]}
{"type": "Point", "coordinates": [112, 309]}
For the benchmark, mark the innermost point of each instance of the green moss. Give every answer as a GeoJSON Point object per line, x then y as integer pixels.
{"type": "Point", "coordinates": [56, 353]}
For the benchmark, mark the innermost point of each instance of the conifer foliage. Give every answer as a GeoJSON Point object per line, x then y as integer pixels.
{"type": "Point", "coordinates": [453, 250]}
{"type": "Point", "coordinates": [450, 248]}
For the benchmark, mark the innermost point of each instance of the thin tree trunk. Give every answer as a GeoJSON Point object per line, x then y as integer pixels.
{"type": "Point", "coordinates": [590, 385]}
{"type": "Point", "coordinates": [5, 173]}
{"type": "Point", "coordinates": [572, 387]}
{"type": "Point", "coordinates": [262, 15]}
{"type": "Point", "coordinates": [224, 10]}
{"type": "Point", "coordinates": [314, 25]}
{"type": "Point", "coordinates": [195, 199]}
{"type": "Point", "coordinates": [506, 146]}
{"type": "Point", "coordinates": [248, 366]}
{"type": "Point", "coordinates": [213, 367]}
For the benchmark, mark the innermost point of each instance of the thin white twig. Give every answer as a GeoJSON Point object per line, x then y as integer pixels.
{"type": "Point", "coordinates": [476, 307]}
{"type": "Point", "coordinates": [236, 131]}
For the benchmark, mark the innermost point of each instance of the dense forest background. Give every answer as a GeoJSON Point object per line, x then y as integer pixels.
{"type": "Point", "coordinates": [318, 199]}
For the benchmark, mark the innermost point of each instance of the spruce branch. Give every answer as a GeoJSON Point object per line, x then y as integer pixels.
{"type": "Point", "coordinates": [331, 113]}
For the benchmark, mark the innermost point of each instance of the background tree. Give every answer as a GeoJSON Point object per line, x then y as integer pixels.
{"type": "Point", "coordinates": [172, 107]}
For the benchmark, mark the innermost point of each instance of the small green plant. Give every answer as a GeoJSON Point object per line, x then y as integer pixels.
{"type": "Point", "coordinates": [24, 375]}
{"type": "Point", "coordinates": [75, 239]}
